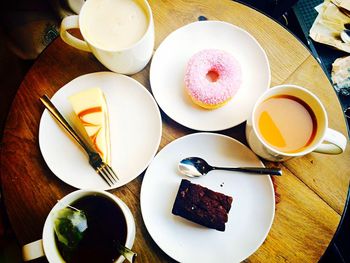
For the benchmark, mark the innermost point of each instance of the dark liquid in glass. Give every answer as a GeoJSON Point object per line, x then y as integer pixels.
{"type": "Point", "coordinates": [106, 228]}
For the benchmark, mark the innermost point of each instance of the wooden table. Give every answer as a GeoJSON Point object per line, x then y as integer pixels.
{"type": "Point", "coordinates": [312, 190]}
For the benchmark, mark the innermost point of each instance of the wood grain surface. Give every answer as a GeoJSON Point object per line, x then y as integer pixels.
{"type": "Point", "coordinates": [312, 189]}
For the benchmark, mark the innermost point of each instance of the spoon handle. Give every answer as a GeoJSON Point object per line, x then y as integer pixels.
{"type": "Point", "coordinates": [257, 170]}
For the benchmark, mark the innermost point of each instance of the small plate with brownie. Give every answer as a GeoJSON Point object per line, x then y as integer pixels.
{"type": "Point", "coordinates": [221, 217]}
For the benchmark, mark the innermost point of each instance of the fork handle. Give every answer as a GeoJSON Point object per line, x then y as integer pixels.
{"type": "Point", "coordinates": [58, 116]}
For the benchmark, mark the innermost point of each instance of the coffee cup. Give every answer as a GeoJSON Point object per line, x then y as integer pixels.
{"type": "Point", "coordinates": [118, 218]}
{"type": "Point", "coordinates": [120, 33]}
{"type": "Point", "coordinates": [289, 121]}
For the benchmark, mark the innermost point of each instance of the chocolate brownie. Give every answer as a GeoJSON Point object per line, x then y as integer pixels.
{"type": "Point", "coordinates": [202, 205]}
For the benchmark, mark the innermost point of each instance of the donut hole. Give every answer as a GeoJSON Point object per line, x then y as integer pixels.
{"type": "Point", "coordinates": [212, 75]}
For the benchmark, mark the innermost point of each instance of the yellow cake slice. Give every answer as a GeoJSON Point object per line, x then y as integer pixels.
{"type": "Point", "coordinates": [91, 109]}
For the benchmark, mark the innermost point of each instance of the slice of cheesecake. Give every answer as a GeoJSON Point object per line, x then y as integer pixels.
{"type": "Point", "coordinates": [91, 109]}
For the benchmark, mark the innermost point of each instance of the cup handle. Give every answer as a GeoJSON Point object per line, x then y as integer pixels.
{"type": "Point", "coordinates": [335, 143]}
{"type": "Point", "coordinates": [70, 22]}
{"type": "Point", "coordinates": [33, 250]}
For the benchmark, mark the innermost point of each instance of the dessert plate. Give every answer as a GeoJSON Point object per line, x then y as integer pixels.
{"type": "Point", "coordinates": [169, 64]}
{"type": "Point", "coordinates": [249, 219]}
{"type": "Point", "coordinates": [135, 131]}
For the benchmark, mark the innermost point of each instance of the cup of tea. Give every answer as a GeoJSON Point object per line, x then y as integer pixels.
{"type": "Point", "coordinates": [289, 121]}
{"type": "Point", "coordinates": [108, 219]}
{"type": "Point", "coordinates": [120, 33]}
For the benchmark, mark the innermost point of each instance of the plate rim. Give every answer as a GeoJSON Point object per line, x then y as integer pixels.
{"type": "Point", "coordinates": [226, 137]}
{"type": "Point", "coordinates": [152, 72]}
{"type": "Point", "coordinates": [107, 73]}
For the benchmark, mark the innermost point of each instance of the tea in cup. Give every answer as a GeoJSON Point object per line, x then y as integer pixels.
{"type": "Point", "coordinates": [109, 223]}
{"type": "Point", "coordinates": [289, 121]}
{"type": "Point", "coordinates": [120, 33]}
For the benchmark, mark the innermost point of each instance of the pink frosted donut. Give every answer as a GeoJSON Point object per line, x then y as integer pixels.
{"type": "Point", "coordinates": [212, 78]}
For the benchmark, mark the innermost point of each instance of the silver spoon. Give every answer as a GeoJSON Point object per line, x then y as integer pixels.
{"type": "Point", "coordinates": [345, 35]}
{"type": "Point", "coordinates": [196, 167]}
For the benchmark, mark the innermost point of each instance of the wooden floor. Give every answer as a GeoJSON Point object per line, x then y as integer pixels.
{"type": "Point", "coordinates": [12, 71]}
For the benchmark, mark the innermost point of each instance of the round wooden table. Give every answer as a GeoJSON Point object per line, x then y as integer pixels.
{"type": "Point", "coordinates": [312, 190]}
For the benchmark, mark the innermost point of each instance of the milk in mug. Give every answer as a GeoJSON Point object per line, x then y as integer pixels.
{"type": "Point", "coordinates": [120, 33]}
{"type": "Point", "coordinates": [113, 24]}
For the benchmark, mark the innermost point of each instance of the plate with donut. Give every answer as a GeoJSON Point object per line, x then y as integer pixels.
{"type": "Point", "coordinates": [207, 75]}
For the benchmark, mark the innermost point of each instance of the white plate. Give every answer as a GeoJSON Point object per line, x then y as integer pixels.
{"type": "Point", "coordinates": [251, 214]}
{"type": "Point", "coordinates": [135, 128]}
{"type": "Point", "coordinates": [168, 68]}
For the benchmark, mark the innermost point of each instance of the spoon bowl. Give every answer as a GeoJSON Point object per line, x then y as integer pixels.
{"type": "Point", "coordinates": [196, 167]}
{"type": "Point", "coordinates": [345, 36]}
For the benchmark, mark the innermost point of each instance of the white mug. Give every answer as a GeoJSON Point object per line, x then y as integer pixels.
{"type": "Point", "coordinates": [47, 245]}
{"type": "Point", "coordinates": [125, 58]}
{"type": "Point", "coordinates": [325, 140]}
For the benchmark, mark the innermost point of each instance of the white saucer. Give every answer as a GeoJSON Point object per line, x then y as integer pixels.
{"type": "Point", "coordinates": [249, 219]}
{"type": "Point", "coordinates": [135, 129]}
{"type": "Point", "coordinates": [168, 68]}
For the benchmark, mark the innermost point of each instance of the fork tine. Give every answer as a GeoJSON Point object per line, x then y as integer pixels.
{"type": "Point", "coordinates": [101, 172]}
{"type": "Point", "coordinates": [107, 171]}
{"type": "Point", "coordinates": [112, 173]}
{"type": "Point", "coordinates": [104, 170]}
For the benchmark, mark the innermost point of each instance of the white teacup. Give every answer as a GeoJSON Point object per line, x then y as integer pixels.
{"type": "Point", "coordinates": [275, 143]}
{"type": "Point", "coordinates": [119, 33]}
{"type": "Point", "coordinates": [47, 245]}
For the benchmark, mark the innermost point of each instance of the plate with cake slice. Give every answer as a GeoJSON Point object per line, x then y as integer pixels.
{"type": "Point", "coordinates": [109, 110]}
{"type": "Point", "coordinates": [220, 217]}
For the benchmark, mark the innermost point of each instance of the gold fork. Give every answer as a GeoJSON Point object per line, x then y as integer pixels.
{"type": "Point", "coordinates": [103, 169]}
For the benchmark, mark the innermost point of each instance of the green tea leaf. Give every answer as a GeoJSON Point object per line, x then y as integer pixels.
{"type": "Point", "coordinates": [69, 226]}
